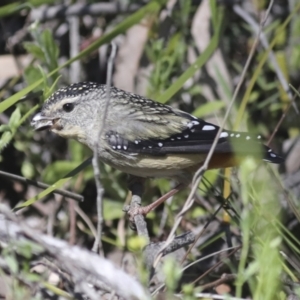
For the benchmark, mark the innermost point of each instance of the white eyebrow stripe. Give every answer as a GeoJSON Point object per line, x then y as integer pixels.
{"type": "Point", "coordinates": [60, 103]}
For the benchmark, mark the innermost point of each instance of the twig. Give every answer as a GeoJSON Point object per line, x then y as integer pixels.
{"type": "Point", "coordinates": [42, 185]}
{"type": "Point", "coordinates": [224, 278]}
{"type": "Point", "coordinates": [198, 176]}
{"type": "Point", "coordinates": [72, 218]}
{"type": "Point", "coordinates": [136, 188]}
{"type": "Point", "coordinates": [44, 13]}
{"type": "Point", "coordinates": [86, 219]}
{"type": "Point", "coordinates": [218, 264]}
{"type": "Point", "coordinates": [191, 264]}
{"type": "Point", "coordinates": [200, 233]}
{"type": "Point", "coordinates": [100, 190]}
{"type": "Point", "coordinates": [282, 117]}
{"type": "Point", "coordinates": [74, 38]}
{"type": "Point", "coordinates": [216, 297]}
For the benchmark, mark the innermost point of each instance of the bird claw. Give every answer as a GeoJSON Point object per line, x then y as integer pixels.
{"type": "Point", "coordinates": [134, 211]}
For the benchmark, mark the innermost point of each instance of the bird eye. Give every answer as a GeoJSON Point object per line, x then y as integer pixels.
{"type": "Point", "coordinates": [68, 107]}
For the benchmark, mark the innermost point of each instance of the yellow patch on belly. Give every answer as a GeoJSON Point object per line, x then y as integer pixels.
{"type": "Point", "coordinates": [160, 166]}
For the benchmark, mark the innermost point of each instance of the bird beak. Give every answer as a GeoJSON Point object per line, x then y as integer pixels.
{"type": "Point", "coordinates": [40, 122]}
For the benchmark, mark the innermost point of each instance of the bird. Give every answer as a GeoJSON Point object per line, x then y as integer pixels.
{"type": "Point", "coordinates": [142, 137]}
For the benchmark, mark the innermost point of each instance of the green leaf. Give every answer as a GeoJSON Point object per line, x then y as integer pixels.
{"type": "Point", "coordinates": [201, 60]}
{"type": "Point", "coordinates": [33, 74]}
{"type": "Point", "coordinates": [12, 263]}
{"type": "Point", "coordinates": [35, 50]}
{"type": "Point", "coordinates": [4, 128]}
{"type": "Point", "coordinates": [5, 139]}
{"type": "Point", "coordinates": [14, 119]}
{"type": "Point", "coordinates": [208, 108]}
{"type": "Point", "coordinates": [50, 48]}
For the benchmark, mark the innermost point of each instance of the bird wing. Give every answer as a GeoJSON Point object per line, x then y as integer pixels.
{"type": "Point", "coordinates": [148, 127]}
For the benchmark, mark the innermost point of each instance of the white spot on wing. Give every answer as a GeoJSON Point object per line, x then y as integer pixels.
{"type": "Point", "coordinates": [272, 155]}
{"type": "Point", "coordinates": [223, 134]}
{"type": "Point", "coordinates": [208, 127]}
{"type": "Point", "coordinates": [248, 137]}
{"type": "Point", "coordinates": [237, 135]}
{"type": "Point", "coordinates": [160, 144]}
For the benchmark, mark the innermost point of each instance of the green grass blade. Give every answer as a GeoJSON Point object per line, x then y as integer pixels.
{"type": "Point", "coordinates": [12, 8]}
{"type": "Point", "coordinates": [258, 69]}
{"type": "Point", "coordinates": [201, 60]}
{"type": "Point", "coordinates": [58, 184]}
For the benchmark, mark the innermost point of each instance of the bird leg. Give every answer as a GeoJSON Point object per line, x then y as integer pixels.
{"type": "Point", "coordinates": [144, 210]}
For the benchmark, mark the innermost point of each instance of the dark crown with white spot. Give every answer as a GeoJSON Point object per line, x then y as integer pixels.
{"type": "Point", "coordinates": [74, 90]}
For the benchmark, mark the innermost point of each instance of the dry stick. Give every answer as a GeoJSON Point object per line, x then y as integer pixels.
{"type": "Point", "coordinates": [282, 118]}
{"type": "Point", "coordinates": [200, 233]}
{"type": "Point", "coordinates": [87, 220]}
{"type": "Point", "coordinates": [221, 262]}
{"type": "Point", "coordinates": [42, 185]}
{"type": "Point", "coordinates": [74, 73]}
{"type": "Point", "coordinates": [193, 263]}
{"type": "Point", "coordinates": [243, 14]}
{"type": "Point", "coordinates": [224, 278]}
{"type": "Point", "coordinates": [44, 13]}
{"type": "Point", "coordinates": [100, 190]}
{"type": "Point", "coordinates": [216, 297]}
{"type": "Point", "coordinates": [198, 176]}
{"type": "Point", "coordinates": [136, 187]}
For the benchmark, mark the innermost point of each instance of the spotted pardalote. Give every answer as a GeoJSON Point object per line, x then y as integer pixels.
{"type": "Point", "coordinates": [143, 137]}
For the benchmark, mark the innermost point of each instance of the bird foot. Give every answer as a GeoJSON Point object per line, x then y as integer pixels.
{"type": "Point", "coordinates": [133, 211]}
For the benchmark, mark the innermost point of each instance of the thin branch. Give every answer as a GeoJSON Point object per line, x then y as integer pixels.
{"type": "Point", "coordinates": [217, 297]}
{"type": "Point", "coordinates": [283, 116]}
{"type": "Point", "coordinates": [191, 264]}
{"type": "Point", "coordinates": [224, 278]}
{"type": "Point", "coordinates": [44, 13]}
{"type": "Point", "coordinates": [136, 187]}
{"type": "Point", "coordinates": [42, 185]}
{"type": "Point", "coordinates": [100, 190]}
{"type": "Point", "coordinates": [218, 264]}
{"type": "Point", "coordinates": [74, 73]}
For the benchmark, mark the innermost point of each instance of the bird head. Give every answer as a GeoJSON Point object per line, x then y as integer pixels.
{"type": "Point", "coordinates": [71, 111]}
